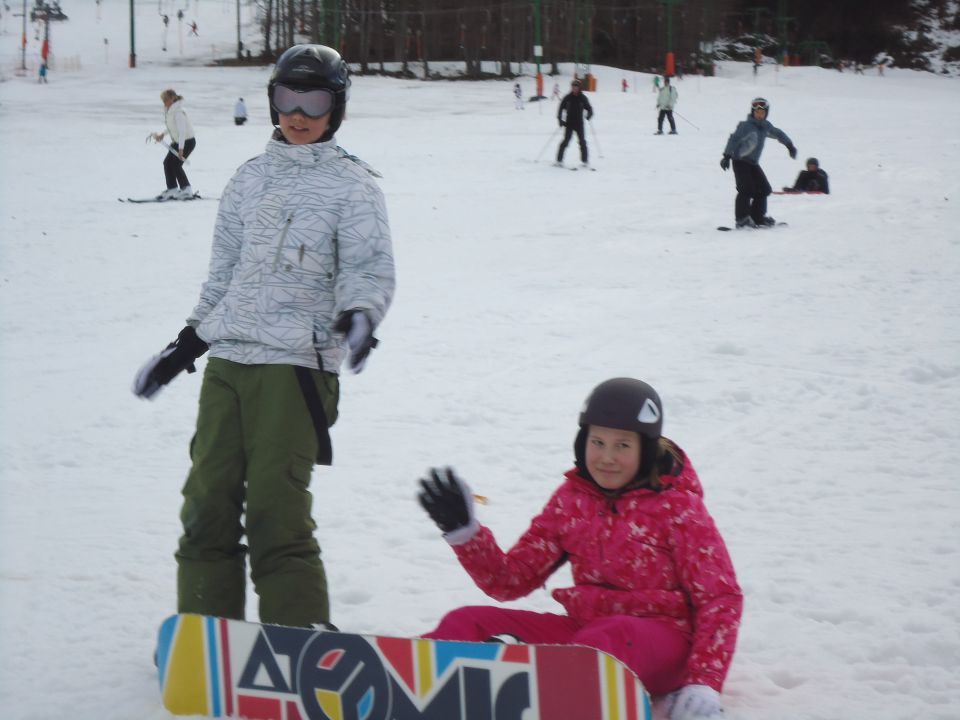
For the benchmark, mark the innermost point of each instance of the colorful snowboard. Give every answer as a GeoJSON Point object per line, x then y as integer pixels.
{"type": "Point", "coordinates": [229, 668]}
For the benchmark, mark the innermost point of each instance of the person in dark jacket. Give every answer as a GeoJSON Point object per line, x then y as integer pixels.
{"type": "Point", "coordinates": [813, 179]}
{"type": "Point", "coordinates": [570, 116]}
{"type": "Point", "coordinates": [744, 148]}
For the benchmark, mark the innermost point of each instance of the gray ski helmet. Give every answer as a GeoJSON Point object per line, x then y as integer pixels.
{"type": "Point", "coordinates": [313, 67]}
{"type": "Point", "coordinates": [759, 102]}
{"type": "Point", "coordinates": [624, 404]}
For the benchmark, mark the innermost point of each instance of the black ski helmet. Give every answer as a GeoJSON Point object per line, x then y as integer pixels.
{"type": "Point", "coordinates": [313, 67]}
{"type": "Point", "coordinates": [813, 161]}
{"type": "Point", "coordinates": [624, 404]}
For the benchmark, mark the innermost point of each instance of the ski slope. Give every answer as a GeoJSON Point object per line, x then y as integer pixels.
{"type": "Point", "coordinates": [812, 372]}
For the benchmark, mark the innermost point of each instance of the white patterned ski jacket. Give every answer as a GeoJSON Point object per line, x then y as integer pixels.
{"type": "Point", "coordinates": [301, 236]}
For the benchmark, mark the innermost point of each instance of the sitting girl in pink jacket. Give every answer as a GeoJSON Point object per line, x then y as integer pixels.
{"type": "Point", "coordinates": [653, 582]}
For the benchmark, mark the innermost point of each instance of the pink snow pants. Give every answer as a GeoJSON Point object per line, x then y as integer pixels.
{"type": "Point", "coordinates": [653, 650]}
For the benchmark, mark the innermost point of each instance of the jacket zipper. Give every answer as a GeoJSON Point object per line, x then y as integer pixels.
{"type": "Point", "coordinates": [283, 237]}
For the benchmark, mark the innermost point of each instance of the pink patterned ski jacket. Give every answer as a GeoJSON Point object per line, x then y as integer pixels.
{"type": "Point", "coordinates": [643, 553]}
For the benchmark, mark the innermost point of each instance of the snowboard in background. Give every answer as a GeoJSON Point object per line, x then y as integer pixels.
{"type": "Point", "coordinates": [726, 228]}
{"type": "Point", "coordinates": [230, 668]}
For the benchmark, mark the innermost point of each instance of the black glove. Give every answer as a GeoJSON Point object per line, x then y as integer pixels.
{"type": "Point", "coordinates": [725, 163]}
{"type": "Point", "coordinates": [448, 500]}
{"type": "Point", "coordinates": [793, 152]}
{"type": "Point", "coordinates": [355, 325]}
{"type": "Point", "coordinates": [170, 362]}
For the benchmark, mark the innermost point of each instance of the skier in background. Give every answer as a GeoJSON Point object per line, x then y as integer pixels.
{"type": "Point", "coordinates": [666, 101]}
{"type": "Point", "coordinates": [744, 147]}
{"type": "Point", "coordinates": [182, 144]}
{"type": "Point", "coordinates": [301, 273]}
{"type": "Point", "coordinates": [570, 116]}
{"type": "Point", "coordinates": [43, 72]}
{"type": "Point", "coordinates": [240, 112]}
{"type": "Point", "coordinates": [517, 97]}
{"type": "Point", "coordinates": [813, 179]}
{"type": "Point", "coordinates": [653, 584]}
{"type": "Point", "coordinates": [556, 91]}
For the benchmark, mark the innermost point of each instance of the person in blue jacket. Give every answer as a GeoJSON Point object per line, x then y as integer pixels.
{"type": "Point", "coordinates": [744, 148]}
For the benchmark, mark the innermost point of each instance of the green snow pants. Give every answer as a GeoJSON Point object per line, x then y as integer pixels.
{"type": "Point", "coordinates": [253, 453]}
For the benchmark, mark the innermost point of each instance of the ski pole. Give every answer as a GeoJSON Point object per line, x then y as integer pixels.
{"type": "Point", "coordinates": [685, 120]}
{"type": "Point", "coordinates": [549, 143]}
{"type": "Point", "coordinates": [169, 148]}
{"type": "Point", "coordinates": [185, 161]}
{"type": "Point", "coordinates": [596, 142]}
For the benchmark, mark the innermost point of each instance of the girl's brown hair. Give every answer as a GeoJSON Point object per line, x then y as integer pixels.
{"type": "Point", "coordinates": [170, 95]}
{"type": "Point", "coordinates": [669, 462]}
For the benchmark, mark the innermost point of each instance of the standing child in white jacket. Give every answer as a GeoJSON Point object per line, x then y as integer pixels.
{"type": "Point", "coordinates": [301, 274]}
{"type": "Point", "coordinates": [666, 101]}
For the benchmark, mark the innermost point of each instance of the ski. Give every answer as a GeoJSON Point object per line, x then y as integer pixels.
{"type": "Point", "coordinates": [157, 199]}
{"type": "Point", "coordinates": [724, 228]}
{"type": "Point", "coordinates": [790, 191]}
{"type": "Point", "coordinates": [575, 167]}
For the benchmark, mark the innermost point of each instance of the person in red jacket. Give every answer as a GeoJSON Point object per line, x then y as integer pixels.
{"type": "Point", "coordinates": [653, 582]}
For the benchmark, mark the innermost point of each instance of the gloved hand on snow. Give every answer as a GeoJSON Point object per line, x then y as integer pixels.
{"type": "Point", "coordinates": [694, 702]}
{"type": "Point", "coordinates": [793, 152]}
{"type": "Point", "coordinates": [449, 502]}
{"type": "Point", "coordinates": [170, 362]}
{"type": "Point", "coordinates": [355, 325]}
{"type": "Point", "coordinates": [725, 163]}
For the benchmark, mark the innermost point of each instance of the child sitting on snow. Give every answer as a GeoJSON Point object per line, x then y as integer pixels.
{"type": "Point", "coordinates": [813, 179]}
{"type": "Point", "coordinates": [653, 583]}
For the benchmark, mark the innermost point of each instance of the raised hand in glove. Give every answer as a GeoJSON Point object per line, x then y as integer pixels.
{"type": "Point", "coordinates": [725, 163]}
{"type": "Point", "coordinates": [694, 702]}
{"type": "Point", "coordinates": [355, 325]}
{"type": "Point", "coordinates": [449, 502]}
{"type": "Point", "coordinates": [793, 152]}
{"type": "Point", "coordinates": [170, 362]}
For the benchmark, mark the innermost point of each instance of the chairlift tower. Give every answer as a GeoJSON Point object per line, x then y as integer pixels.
{"type": "Point", "coordinates": [669, 65]}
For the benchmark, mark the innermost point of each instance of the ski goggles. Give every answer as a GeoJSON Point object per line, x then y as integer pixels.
{"type": "Point", "coordinates": [759, 104]}
{"type": "Point", "coordinates": [312, 103]}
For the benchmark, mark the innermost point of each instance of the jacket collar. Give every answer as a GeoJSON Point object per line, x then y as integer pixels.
{"type": "Point", "coordinates": [303, 155]}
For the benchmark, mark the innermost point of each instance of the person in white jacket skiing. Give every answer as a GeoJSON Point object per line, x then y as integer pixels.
{"type": "Point", "coordinates": [666, 101]}
{"type": "Point", "coordinates": [240, 112]}
{"type": "Point", "coordinates": [301, 274]}
{"type": "Point", "coordinates": [183, 142]}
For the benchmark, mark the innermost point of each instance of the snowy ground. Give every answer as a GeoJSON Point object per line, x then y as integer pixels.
{"type": "Point", "coordinates": [812, 372]}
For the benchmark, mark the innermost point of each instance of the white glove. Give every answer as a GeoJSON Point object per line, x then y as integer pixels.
{"type": "Point", "coordinates": [694, 702]}
{"type": "Point", "coordinates": [357, 331]}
